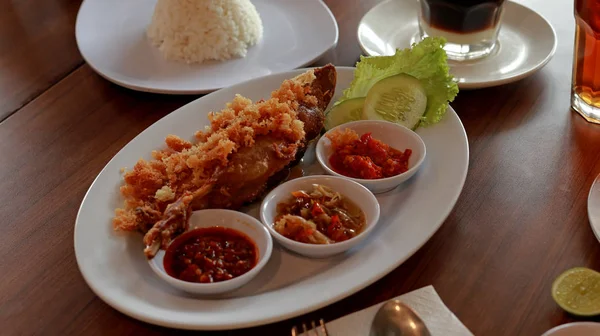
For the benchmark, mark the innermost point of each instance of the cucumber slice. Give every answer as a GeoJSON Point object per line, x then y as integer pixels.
{"type": "Point", "coordinates": [347, 111]}
{"type": "Point", "coordinates": [400, 99]}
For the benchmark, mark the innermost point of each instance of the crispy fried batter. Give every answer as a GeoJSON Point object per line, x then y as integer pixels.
{"type": "Point", "coordinates": [339, 138]}
{"type": "Point", "coordinates": [186, 168]}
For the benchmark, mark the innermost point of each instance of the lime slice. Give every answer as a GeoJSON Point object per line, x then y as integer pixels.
{"type": "Point", "coordinates": [346, 111]}
{"type": "Point", "coordinates": [400, 99]}
{"type": "Point", "coordinates": [577, 291]}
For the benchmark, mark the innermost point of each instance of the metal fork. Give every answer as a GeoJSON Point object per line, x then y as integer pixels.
{"type": "Point", "coordinates": [321, 331]}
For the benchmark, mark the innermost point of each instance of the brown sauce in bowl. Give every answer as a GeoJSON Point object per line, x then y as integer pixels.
{"type": "Point", "coordinates": [208, 255]}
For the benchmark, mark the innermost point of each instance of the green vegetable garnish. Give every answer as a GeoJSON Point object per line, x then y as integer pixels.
{"type": "Point", "coordinates": [400, 99]}
{"type": "Point", "coordinates": [425, 61]}
{"type": "Point", "coordinates": [346, 111]}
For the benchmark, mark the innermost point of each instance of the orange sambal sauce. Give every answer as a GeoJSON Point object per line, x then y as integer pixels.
{"type": "Point", "coordinates": [369, 158]}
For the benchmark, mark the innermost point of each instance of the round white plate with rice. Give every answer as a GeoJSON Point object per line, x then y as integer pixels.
{"type": "Point", "coordinates": [112, 38]}
{"type": "Point", "coordinates": [289, 285]}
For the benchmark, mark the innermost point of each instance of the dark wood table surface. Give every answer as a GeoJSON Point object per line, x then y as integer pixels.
{"type": "Point", "coordinates": [519, 222]}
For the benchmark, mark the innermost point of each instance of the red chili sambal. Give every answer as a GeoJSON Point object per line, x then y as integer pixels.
{"type": "Point", "coordinates": [208, 255]}
{"type": "Point", "coordinates": [365, 157]}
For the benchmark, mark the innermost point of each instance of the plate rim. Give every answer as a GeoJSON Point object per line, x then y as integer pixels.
{"type": "Point", "coordinates": [141, 88]}
{"type": "Point", "coordinates": [595, 224]}
{"type": "Point", "coordinates": [281, 317]}
{"type": "Point", "coordinates": [570, 325]}
{"type": "Point", "coordinates": [491, 83]}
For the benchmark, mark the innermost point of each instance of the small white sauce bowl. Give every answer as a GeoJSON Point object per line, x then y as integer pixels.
{"type": "Point", "coordinates": [227, 219]}
{"type": "Point", "coordinates": [355, 192]}
{"type": "Point", "coordinates": [394, 135]}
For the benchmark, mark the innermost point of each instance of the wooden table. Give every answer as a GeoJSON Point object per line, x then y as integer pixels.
{"type": "Point", "coordinates": [520, 220]}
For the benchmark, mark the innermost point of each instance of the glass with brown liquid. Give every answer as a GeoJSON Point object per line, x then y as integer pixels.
{"type": "Point", "coordinates": [470, 27]}
{"type": "Point", "coordinates": [585, 95]}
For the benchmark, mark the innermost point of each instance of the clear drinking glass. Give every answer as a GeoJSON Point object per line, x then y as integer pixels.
{"type": "Point", "coordinates": [470, 26]}
{"type": "Point", "coordinates": [585, 94]}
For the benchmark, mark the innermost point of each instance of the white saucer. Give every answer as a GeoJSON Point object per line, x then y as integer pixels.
{"type": "Point", "coordinates": [575, 329]}
{"type": "Point", "coordinates": [594, 207]}
{"type": "Point", "coordinates": [111, 38]}
{"type": "Point", "coordinates": [527, 42]}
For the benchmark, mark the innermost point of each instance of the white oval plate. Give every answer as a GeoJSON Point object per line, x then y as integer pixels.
{"type": "Point", "coordinates": [594, 207]}
{"type": "Point", "coordinates": [527, 42]}
{"type": "Point", "coordinates": [115, 268]}
{"type": "Point", "coordinates": [111, 38]}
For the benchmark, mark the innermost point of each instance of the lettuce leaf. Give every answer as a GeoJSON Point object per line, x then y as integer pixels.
{"type": "Point", "coordinates": [425, 61]}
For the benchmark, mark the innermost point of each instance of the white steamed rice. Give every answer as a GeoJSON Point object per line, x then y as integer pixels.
{"type": "Point", "coordinates": [194, 31]}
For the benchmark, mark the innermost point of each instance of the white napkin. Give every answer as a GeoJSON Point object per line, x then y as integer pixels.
{"type": "Point", "coordinates": [425, 302]}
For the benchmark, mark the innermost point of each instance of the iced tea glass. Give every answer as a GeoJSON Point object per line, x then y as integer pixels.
{"type": "Point", "coordinates": [585, 92]}
{"type": "Point", "coordinates": [470, 27]}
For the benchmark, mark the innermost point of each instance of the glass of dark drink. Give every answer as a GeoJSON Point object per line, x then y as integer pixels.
{"type": "Point", "coordinates": [585, 94]}
{"type": "Point", "coordinates": [470, 27]}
